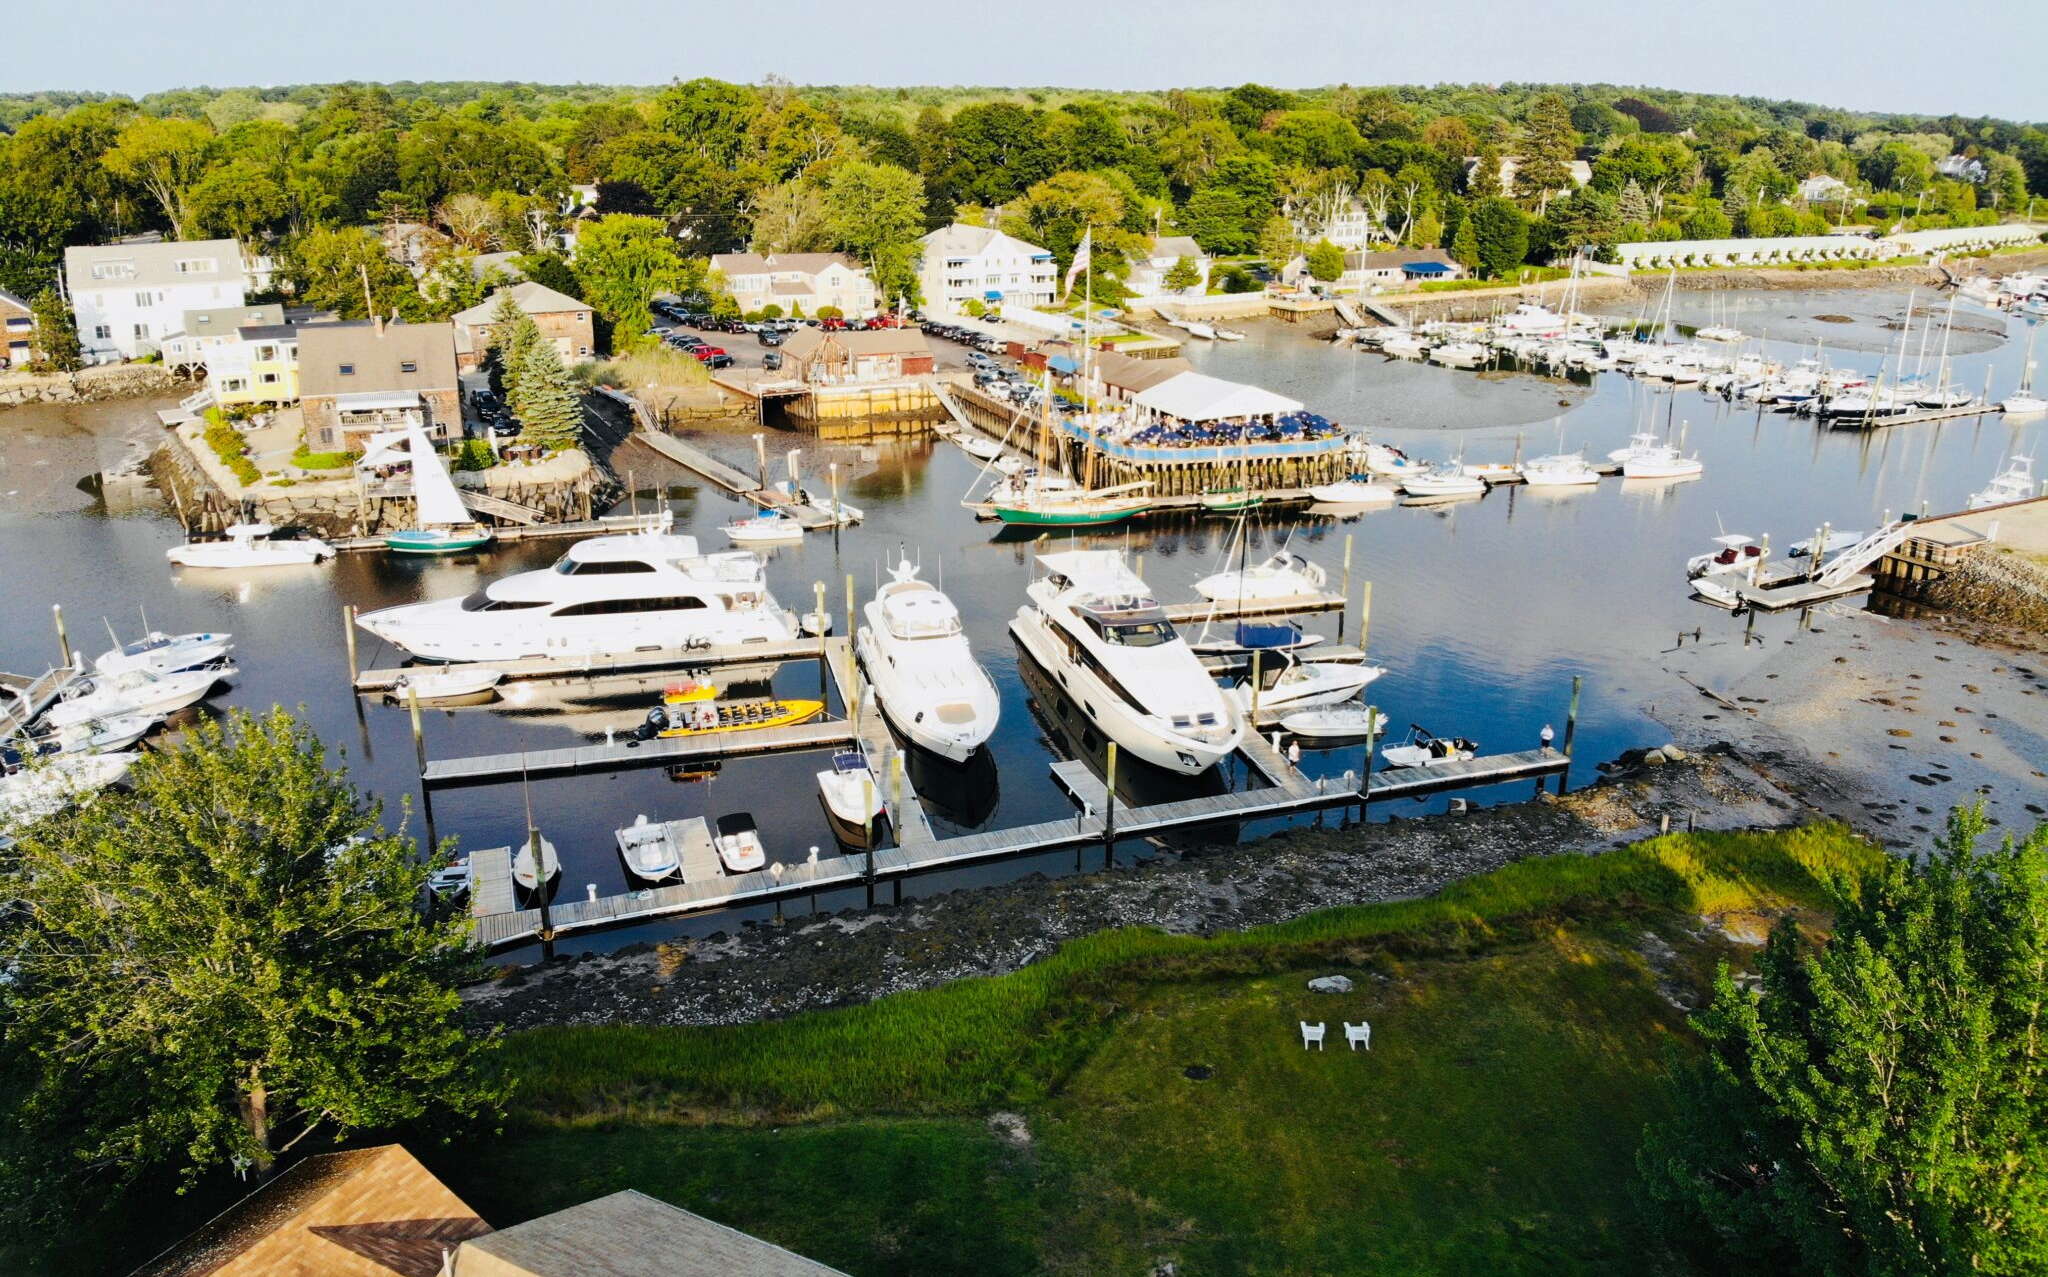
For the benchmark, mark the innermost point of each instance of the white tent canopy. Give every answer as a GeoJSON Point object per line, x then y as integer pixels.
{"type": "Point", "coordinates": [1195, 397]}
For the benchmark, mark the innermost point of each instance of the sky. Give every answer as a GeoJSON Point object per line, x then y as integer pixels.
{"type": "Point", "coordinates": [1969, 57]}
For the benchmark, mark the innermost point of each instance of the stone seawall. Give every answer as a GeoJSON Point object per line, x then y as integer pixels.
{"type": "Point", "coordinates": [92, 385]}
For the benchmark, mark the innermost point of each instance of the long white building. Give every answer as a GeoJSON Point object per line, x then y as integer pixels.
{"type": "Point", "coordinates": [130, 297]}
{"type": "Point", "coordinates": [963, 263]}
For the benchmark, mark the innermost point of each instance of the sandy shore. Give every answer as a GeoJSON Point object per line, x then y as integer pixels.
{"type": "Point", "coordinates": [46, 448]}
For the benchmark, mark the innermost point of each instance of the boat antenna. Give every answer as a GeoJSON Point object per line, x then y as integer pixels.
{"type": "Point", "coordinates": [142, 608]}
{"type": "Point", "coordinates": [110, 630]}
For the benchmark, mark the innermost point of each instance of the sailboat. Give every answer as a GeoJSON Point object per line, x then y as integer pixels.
{"type": "Point", "coordinates": [1033, 501]}
{"type": "Point", "coordinates": [446, 525]}
{"type": "Point", "coordinates": [2023, 402]}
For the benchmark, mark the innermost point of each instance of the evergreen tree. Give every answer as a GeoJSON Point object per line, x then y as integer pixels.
{"type": "Point", "coordinates": [55, 339]}
{"type": "Point", "coordinates": [1483, 180]}
{"type": "Point", "coordinates": [1634, 208]}
{"type": "Point", "coordinates": [1879, 1105]}
{"type": "Point", "coordinates": [1326, 262]}
{"type": "Point", "coordinates": [549, 405]}
{"type": "Point", "coordinates": [1548, 144]}
{"type": "Point", "coordinates": [1182, 275]}
{"type": "Point", "coordinates": [513, 334]}
{"type": "Point", "coordinates": [207, 970]}
{"type": "Point", "coordinates": [1501, 235]}
{"type": "Point", "coordinates": [1465, 245]}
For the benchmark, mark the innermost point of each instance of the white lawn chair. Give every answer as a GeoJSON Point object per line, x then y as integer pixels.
{"type": "Point", "coordinates": [1358, 1035]}
{"type": "Point", "coordinates": [1312, 1034]}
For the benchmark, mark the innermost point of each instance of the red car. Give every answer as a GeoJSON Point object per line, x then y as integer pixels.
{"type": "Point", "coordinates": [707, 352]}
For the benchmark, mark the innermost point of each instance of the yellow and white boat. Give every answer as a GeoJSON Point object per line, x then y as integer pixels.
{"type": "Point", "coordinates": [693, 708]}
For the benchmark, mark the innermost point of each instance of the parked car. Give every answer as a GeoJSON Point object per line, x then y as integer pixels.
{"type": "Point", "coordinates": [505, 427]}
{"type": "Point", "coordinates": [769, 337]}
{"type": "Point", "coordinates": [772, 360]}
{"type": "Point", "coordinates": [987, 377]}
{"type": "Point", "coordinates": [719, 360]}
{"type": "Point", "coordinates": [707, 352]}
{"type": "Point", "coordinates": [485, 402]}
{"type": "Point", "coordinates": [688, 341]}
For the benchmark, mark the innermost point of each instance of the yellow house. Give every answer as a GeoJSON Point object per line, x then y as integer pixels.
{"type": "Point", "coordinates": [259, 366]}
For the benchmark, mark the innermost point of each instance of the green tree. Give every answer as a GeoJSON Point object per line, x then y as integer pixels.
{"type": "Point", "coordinates": [877, 212]}
{"type": "Point", "coordinates": [1879, 1105]}
{"type": "Point", "coordinates": [1465, 245]}
{"type": "Point", "coordinates": [622, 261]}
{"type": "Point", "coordinates": [1548, 144]}
{"type": "Point", "coordinates": [237, 200]}
{"type": "Point", "coordinates": [2005, 182]}
{"type": "Point", "coordinates": [549, 404]}
{"type": "Point", "coordinates": [165, 157]}
{"type": "Point", "coordinates": [513, 334]}
{"type": "Point", "coordinates": [1634, 207]}
{"type": "Point", "coordinates": [327, 269]}
{"type": "Point", "coordinates": [1708, 222]}
{"type": "Point", "coordinates": [1502, 235]}
{"type": "Point", "coordinates": [1060, 210]}
{"type": "Point", "coordinates": [1182, 275]}
{"type": "Point", "coordinates": [1326, 262]}
{"type": "Point", "coordinates": [791, 218]}
{"type": "Point", "coordinates": [1897, 166]}
{"type": "Point", "coordinates": [55, 341]}
{"type": "Point", "coordinates": [218, 965]}
{"type": "Point", "coordinates": [1278, 243]}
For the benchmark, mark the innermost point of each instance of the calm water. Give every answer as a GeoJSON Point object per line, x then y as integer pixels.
{"type": "Point", "coordinates": [1482, 610]}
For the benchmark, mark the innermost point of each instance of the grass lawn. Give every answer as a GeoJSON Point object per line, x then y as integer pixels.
{"type": "Point", "coordinates": [1519, 1039]}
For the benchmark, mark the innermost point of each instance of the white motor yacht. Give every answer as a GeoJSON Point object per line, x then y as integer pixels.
{"type": "Point", "coordinates": [161, 653]}
{"type": "Point", "coordinates": [1561, 470]}
{"type": "Point", "coordinates": [1307, 685]}
{"type": "Point", "coordinates": [916, 655]}
{"type": "Point", "coordinates": [607, 596]}
{"type": "Point", "coordinates": [104, 696]}
{"type": "Point", "coordinates": [648, 849]}
{"type": "Point", "coordinates": [1096, 629]}
{"type": "Point", "coordinates": [250, 545]}
{"type": "Point", "coordinates": [1285, 575]}
{"type": "Point", "coordinates": [2014, 483]}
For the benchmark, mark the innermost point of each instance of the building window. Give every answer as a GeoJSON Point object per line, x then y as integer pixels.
{"type": "Point", "coordinates": [142, 331]}
{"type": "Point", "coordinates": [197, 266]}
{"type": "Point", "coordinates": [267, 354]}
{"type": "Point", "coordinates": [346, 370]}
{"type": "Point", "coordinates": [114, 270]}
{"type": "Point", "coordinates": [233, 384]}
{"type": "Point", "coordinates": [268, 379]}
{"type": "Point", "coordinates": [408, 366]}
{"type": "Point", "coordinates": [101, 332]}
{"type": "Point", "coordinates": [142, 299]}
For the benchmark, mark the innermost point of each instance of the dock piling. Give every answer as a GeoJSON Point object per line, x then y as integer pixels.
{"type": "Point", "coordinates": [1109, 809]}
{"type": "Point", "coordinates": [818, 592]}
{"type": "Point", "coordinates": [1346, 591]}
{"type": "Point", "coordinates": [1364, 616]}
{"type": "Point", "coordinates": [348, 633]}
{"type": "Point", "coordinates": [760, 459]}
{"type": "Point", "coordinates": [63, 639]}
{"type": "Point", "coordinates": [1571, 729]}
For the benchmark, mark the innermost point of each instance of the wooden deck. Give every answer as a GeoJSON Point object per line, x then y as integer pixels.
{"type": "Point", "coordinates": [1467, 773]}
{"type": "Point", "coordinates": [487, 769]}
{"type": "Point", "coordinates": [1978, 409]}
{"type": "Point", "coordinates": [737, 482]}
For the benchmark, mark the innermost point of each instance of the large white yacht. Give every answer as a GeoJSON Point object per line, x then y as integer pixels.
{"type": "Point", "coordinates": [925, 676]}
{"type": "Point", "coordinates": [608, 596]}
{"type": "Point", "coordinates": [1095, 627]}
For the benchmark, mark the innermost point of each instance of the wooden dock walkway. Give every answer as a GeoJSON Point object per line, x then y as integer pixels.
{"type": "Point", "coordinates": [29, 697]}
{"type": "Point", "coordinates": [737, 482]}
{"type": "Point", "coordinates": [907, 817]}
{"type": "Point", "coordinates": [488, 769]}
{"type": "Point", "coordinates": [1977, 409]}
{"type": "Point", "coordinates": [1466, 773]}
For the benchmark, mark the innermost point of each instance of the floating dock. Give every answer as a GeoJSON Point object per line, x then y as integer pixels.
{"type": "Point", "coordinates": [610, 525]}
{"type": "Point", "coordinates": [614, 755]}
{"type": "Point", "coordinates": [737, 482]}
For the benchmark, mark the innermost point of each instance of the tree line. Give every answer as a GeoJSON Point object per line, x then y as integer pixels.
{"type": "Point", "coordinates": [312, 172]}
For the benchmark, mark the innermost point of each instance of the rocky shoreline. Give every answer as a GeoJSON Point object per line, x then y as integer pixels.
{"type": "Point", "coordinates": [808, 963]}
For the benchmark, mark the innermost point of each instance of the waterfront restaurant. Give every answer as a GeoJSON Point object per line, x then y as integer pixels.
{"type": "Point", "coordinates": [1192, 431]}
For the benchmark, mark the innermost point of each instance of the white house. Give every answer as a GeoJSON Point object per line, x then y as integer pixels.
{"type": "Point", "coordinates": [1377, 270]}
{"type": "Point", "coordinates": [1348, 225]}
{"type": "Point", "coordinates": [1148, 273]}
{"type": "Point", "coordinates": [1581, 171]}
{"type": "Point", "coordinates": [793, 280]}
{"type": "Point", "coordinates": [200, 331]}
{"type": "Point", "coordinates": [977, 263]}
{"type": "Point", "coordinates": [129, 298]}
{"type": "Point", "coordinates": [1820, 188]}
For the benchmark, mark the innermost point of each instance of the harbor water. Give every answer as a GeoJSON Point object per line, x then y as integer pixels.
{"type": "Point", "coordinates": [1482, 610]}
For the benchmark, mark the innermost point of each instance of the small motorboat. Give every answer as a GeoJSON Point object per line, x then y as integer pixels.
{"type": "Point", "coordinates": [250, 545]}
{"type": "Point", "coordinates": [738, 842]}
{"type": "Point", "coordinates": [98, 735]}
{"type": "Point", "coordinates": [522, 863]}
{"type": "Point", "coordinates": [446, 686]}
{"type": "Point", "coordinates": [1356, 490]}
{"type": "Point", "coordinates": [450, 881]}
{"type": "Point", "coordinates": [1404, 345]}
{"type": "Point", "coordinates": [1459, 354]}
{"type": "Point", "coordinates": [852, 795]}
{"type": "Point", "coordinates": [161, 653]}
{"type": "Point", "coordinates": [1561, 470]}
{"type": "Point", "coordinates": [1228, 334]}
{"type": "Point", "coordinates": [1196, 328]}
{"type": "Point", "coordinates": [2014, 483]}
{"type": "Point", "coordinates": [133, 692]}
{"type": "Point", "coordinates": [1335, 722]}
{"type": "Point", "coordinates": [1424, 748]}
{"type": "Point", "coordinates": [1492, 472]}
{"type": "Point", "coordinates": [1283, 576]}
{"type": "Point", "coordinates": [692, 708]}
{"type": "Point", "coordinates": [1306, 685]}
{"type": "Point", "coordinates": [1442, 481]}
{"type": "Point", "coordinates": [1835, 541]}
{"type": "Point", "coordinates": [1720, 591]}
{"type": "Point", "coordinates": [1737, 553]}
{"type": "Point", "coordinates": [47, 786]}
{"type": "Point", "coordinates": [648, 849]}
{"type": "Point", "coordinates": [980, 448]}
{"type": "Point", "coordinates": [765, 526]}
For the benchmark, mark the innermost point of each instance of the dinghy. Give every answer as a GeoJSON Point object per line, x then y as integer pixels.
{"type": "Point", "coordinates": [852, 795]}
{"type": "Point", "coordinates": [738, 842]}
{"type": "Point", "coordinates": [446, 686]}
{"type": "Point", "coordinates": [648, 850]}
{"type": "Point", "coordinates": [1335, 722]}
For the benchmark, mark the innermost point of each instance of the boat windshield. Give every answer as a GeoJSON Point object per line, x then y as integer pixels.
{"type": "Point", "coordinates": [568, 565]}
{"type": "Point", "coordinates": [481, 601]}
{"type": "Point", "coordinates": [1132, 631]}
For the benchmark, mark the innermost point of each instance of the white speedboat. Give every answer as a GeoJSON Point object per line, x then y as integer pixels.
{"type": "Point", "coordinates": [764, 527]}
{"type": "Point", "coordinates": [1648, 457]}
{"type": "Point", "coordinates": [1720, 591]}
{"type": "Point", "coordinates": [1404, 345]}
{"type": "Point", "coordinates": [1735, 553]}
{"type": "Point", "coordinates": [738, 843]}
{"type": "Point", "coordinates": [451, 880]}
{"type": "Point", "coordinates": [1228, 334]}
{"type": "Point", "coordinates": [979, 448]}
{"type": "Point", "coordinates": [1562, 470]}
{"type": "Point", "coordinates": [1307, 685]}
{"type": "Point", "coordinates": [1459, 354]}
{"type": "Point", "coordinates": [1424, 748]}
{"type": "Point", "coordinates": [49, 785]}
{"type": "Point", "coordinates": [1196, 328]}
{"type": "Point", "coordinates": [97, 696]}
{"type": "Point", "coordinates": [1448, 480]}
{"type": "Point", "coordinates": [853, 797]}
{"type": "Point", "coordinates": [607, 596]}
{"type": "Point", "coordinates": [98, 735]}
{"type": "Point", "coordinates": [1356, 490]}
{"type": "Point", "coordinates": [1285, 575]}
{"type": "Point", "coordinates": [250, 545]}
{"type": "Point", "coordinates": [161, 653]}
{"type": "Point", "coordinates": [522, 863]}
{"type": "Point", "coordinates": [1335, 722]}
{"type": "Point", "coordinates": [916, 655]}
{"type": "Point", "coordinates": [445, 686]}
{"type": "Point", "coordinates": [1096, 629]}
{"type": "Point", "coordinates": [2014, 483]}
{"type": "Point", "coordinates": [649, 850]}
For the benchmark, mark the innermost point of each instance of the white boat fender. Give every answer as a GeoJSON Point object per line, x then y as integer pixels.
{"type": "Point", "coordinates": [590, 891]}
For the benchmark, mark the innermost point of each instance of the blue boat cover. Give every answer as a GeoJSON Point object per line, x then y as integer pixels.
{"type": "Point", "coordinates": [1266, 635]}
